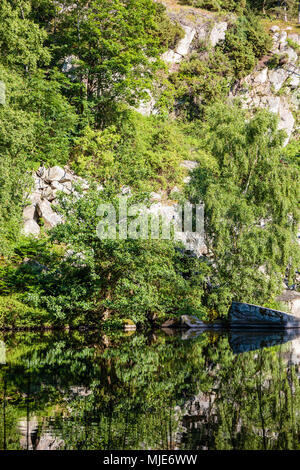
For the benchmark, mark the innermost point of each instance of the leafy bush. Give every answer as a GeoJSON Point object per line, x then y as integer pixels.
{"type": "Point", "coordinates": [217, 5]}
{"type": "Point", "coordinates": [244, 43]}
{"type": "Point", "coordinates": [15, 314]}
{"type": "Point", "coordinates": [143, 152]}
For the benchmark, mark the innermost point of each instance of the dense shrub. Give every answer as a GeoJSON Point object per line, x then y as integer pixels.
{"type": "Point", "coordinates": [217, 5]}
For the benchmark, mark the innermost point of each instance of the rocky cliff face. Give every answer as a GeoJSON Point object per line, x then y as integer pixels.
{"type": "Point", "coordinates": [198, 26]}
{"type": "Point", "coordinates": [275, 89]}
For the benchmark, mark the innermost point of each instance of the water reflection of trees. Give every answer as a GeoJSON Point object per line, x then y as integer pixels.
{"type": "Point", "coordinates": [87, 391]}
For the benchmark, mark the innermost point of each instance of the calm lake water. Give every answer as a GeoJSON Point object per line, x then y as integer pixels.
{"type": "Point", "coordinates": [163, 390]}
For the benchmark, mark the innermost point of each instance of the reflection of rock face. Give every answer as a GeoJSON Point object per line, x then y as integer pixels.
{"type": "Point", "coordinates": [244, 341]}
{"type": "Point", "coordinates": [292, 353]}
{"type": "Point", "coordinates": [194, 418]}
{"type": "Point", "coordinates": [2, 353]}
{"type": "Point", "coordinates": [33, 438]}
{"type": "Point", "coordinates": [29, 431]}
{"type": "Point", "coordinates": [219, 415]}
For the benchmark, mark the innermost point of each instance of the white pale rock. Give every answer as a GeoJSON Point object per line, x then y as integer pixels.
{"type": "Point", "coordinates": [155, 197]}
{"type": "Point", "coordinates": [34, 197]}
{"type": "Point", "coordinates": [171, 214]}
{"type": "Point", "coordinates": [218, 33]}
{"type": "Point", "coordinates": [31, 227]}
{"type": "Point", "coordinates": [273, 103]}
{"type": "Point", "coordinates": [126, 190]}
{"type": "Point", "coordinates": [185, 43]}
{"type": "Point", "coordinates": [292, 300]}
{"type": "Point", "coordinates": [274, 29]}
{"type": "Point", "coordinates": [171, 57]}
{"type": "Point", "coordinates": [67, 186]}
{"type": "Point", "coordinates": [57, 185]}
{"type": "Point", "coordinates": [29, 212]}
{"type": "Point", "coordinates": [294, 81]}
{"type": "Point", "coordinates": [48, 193]}
{"type": "Point", "coordinates": [256, 101]}
{"type": "Point", "coordinates": [39, 183]}
{"type": "Point", "coordinates": [174, 191]}
{"type": "Point", "coordinates": [189, 164]}
{"type": "Point", "coordinates": [182, 49]}
{"type": "Point", "coordinates": [69, 63]}
{"type": "Point", "coordinates": [294, 37]}
{"type": "Point", "coordinates": [277, 78]}
{"type": "Point", "coordinates": [46, 212]}
{"type": "Point", "coordinates": [293, 56]}
{"type": "Point", "coordinates": [146, 107]}
{"type": "Point", "coordinates": [67, 177]}
{"type": "Point", "coordinates": [262, 76]}
{"type": "Point", "coordinates": [56, 173]}
{"type": "Point", "coordinates": [283, 38]}
{"type": "Point", "coordinates": [287, 120]}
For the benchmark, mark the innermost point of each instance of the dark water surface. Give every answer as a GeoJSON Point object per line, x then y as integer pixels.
{"type": "Point", "coordinates": [164, 390]}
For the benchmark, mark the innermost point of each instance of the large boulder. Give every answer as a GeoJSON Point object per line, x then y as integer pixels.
{"type": "Point", "coordinates": [56, 173]}
{"type": "Point", "coordinates": [218, 33]}
{"type": "Point", "coordinates": [287, 120]}
{"type": "Point", "coordinates": [182, 48]}
{"type": "Point", "coordinates": [31, 227]}
{"type": "Point", "coordinates": [277, 78]}
{"type": "Point", "coordinates": [242, 315]}
{"type": "Point", "coordinates": [46, 212]}
{"type": "Point", "coordinates": [29, 212]}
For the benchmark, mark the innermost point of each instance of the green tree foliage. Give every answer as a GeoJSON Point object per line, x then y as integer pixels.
{"type": "Point", "coordinates": [246, 42]}
{"type": "Point", "coordinates": [250, 195]}
{"type": "Point", "coordinates": [217, 5]}
{"type": "Point", "coordinates": [143, 152]}
{"type": "Point", "coordinates": [36, 124]}
{"type": "Point", "coordinates": [21, 39]}
{"type": "Point", "coordinates": [283, 9]}
{"type": "Point", "coordinates": [136, 279]}
{"type": "Point", "coordinates": [36, 120]}
{"type": "Point", "coordinates": [115, 49]}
